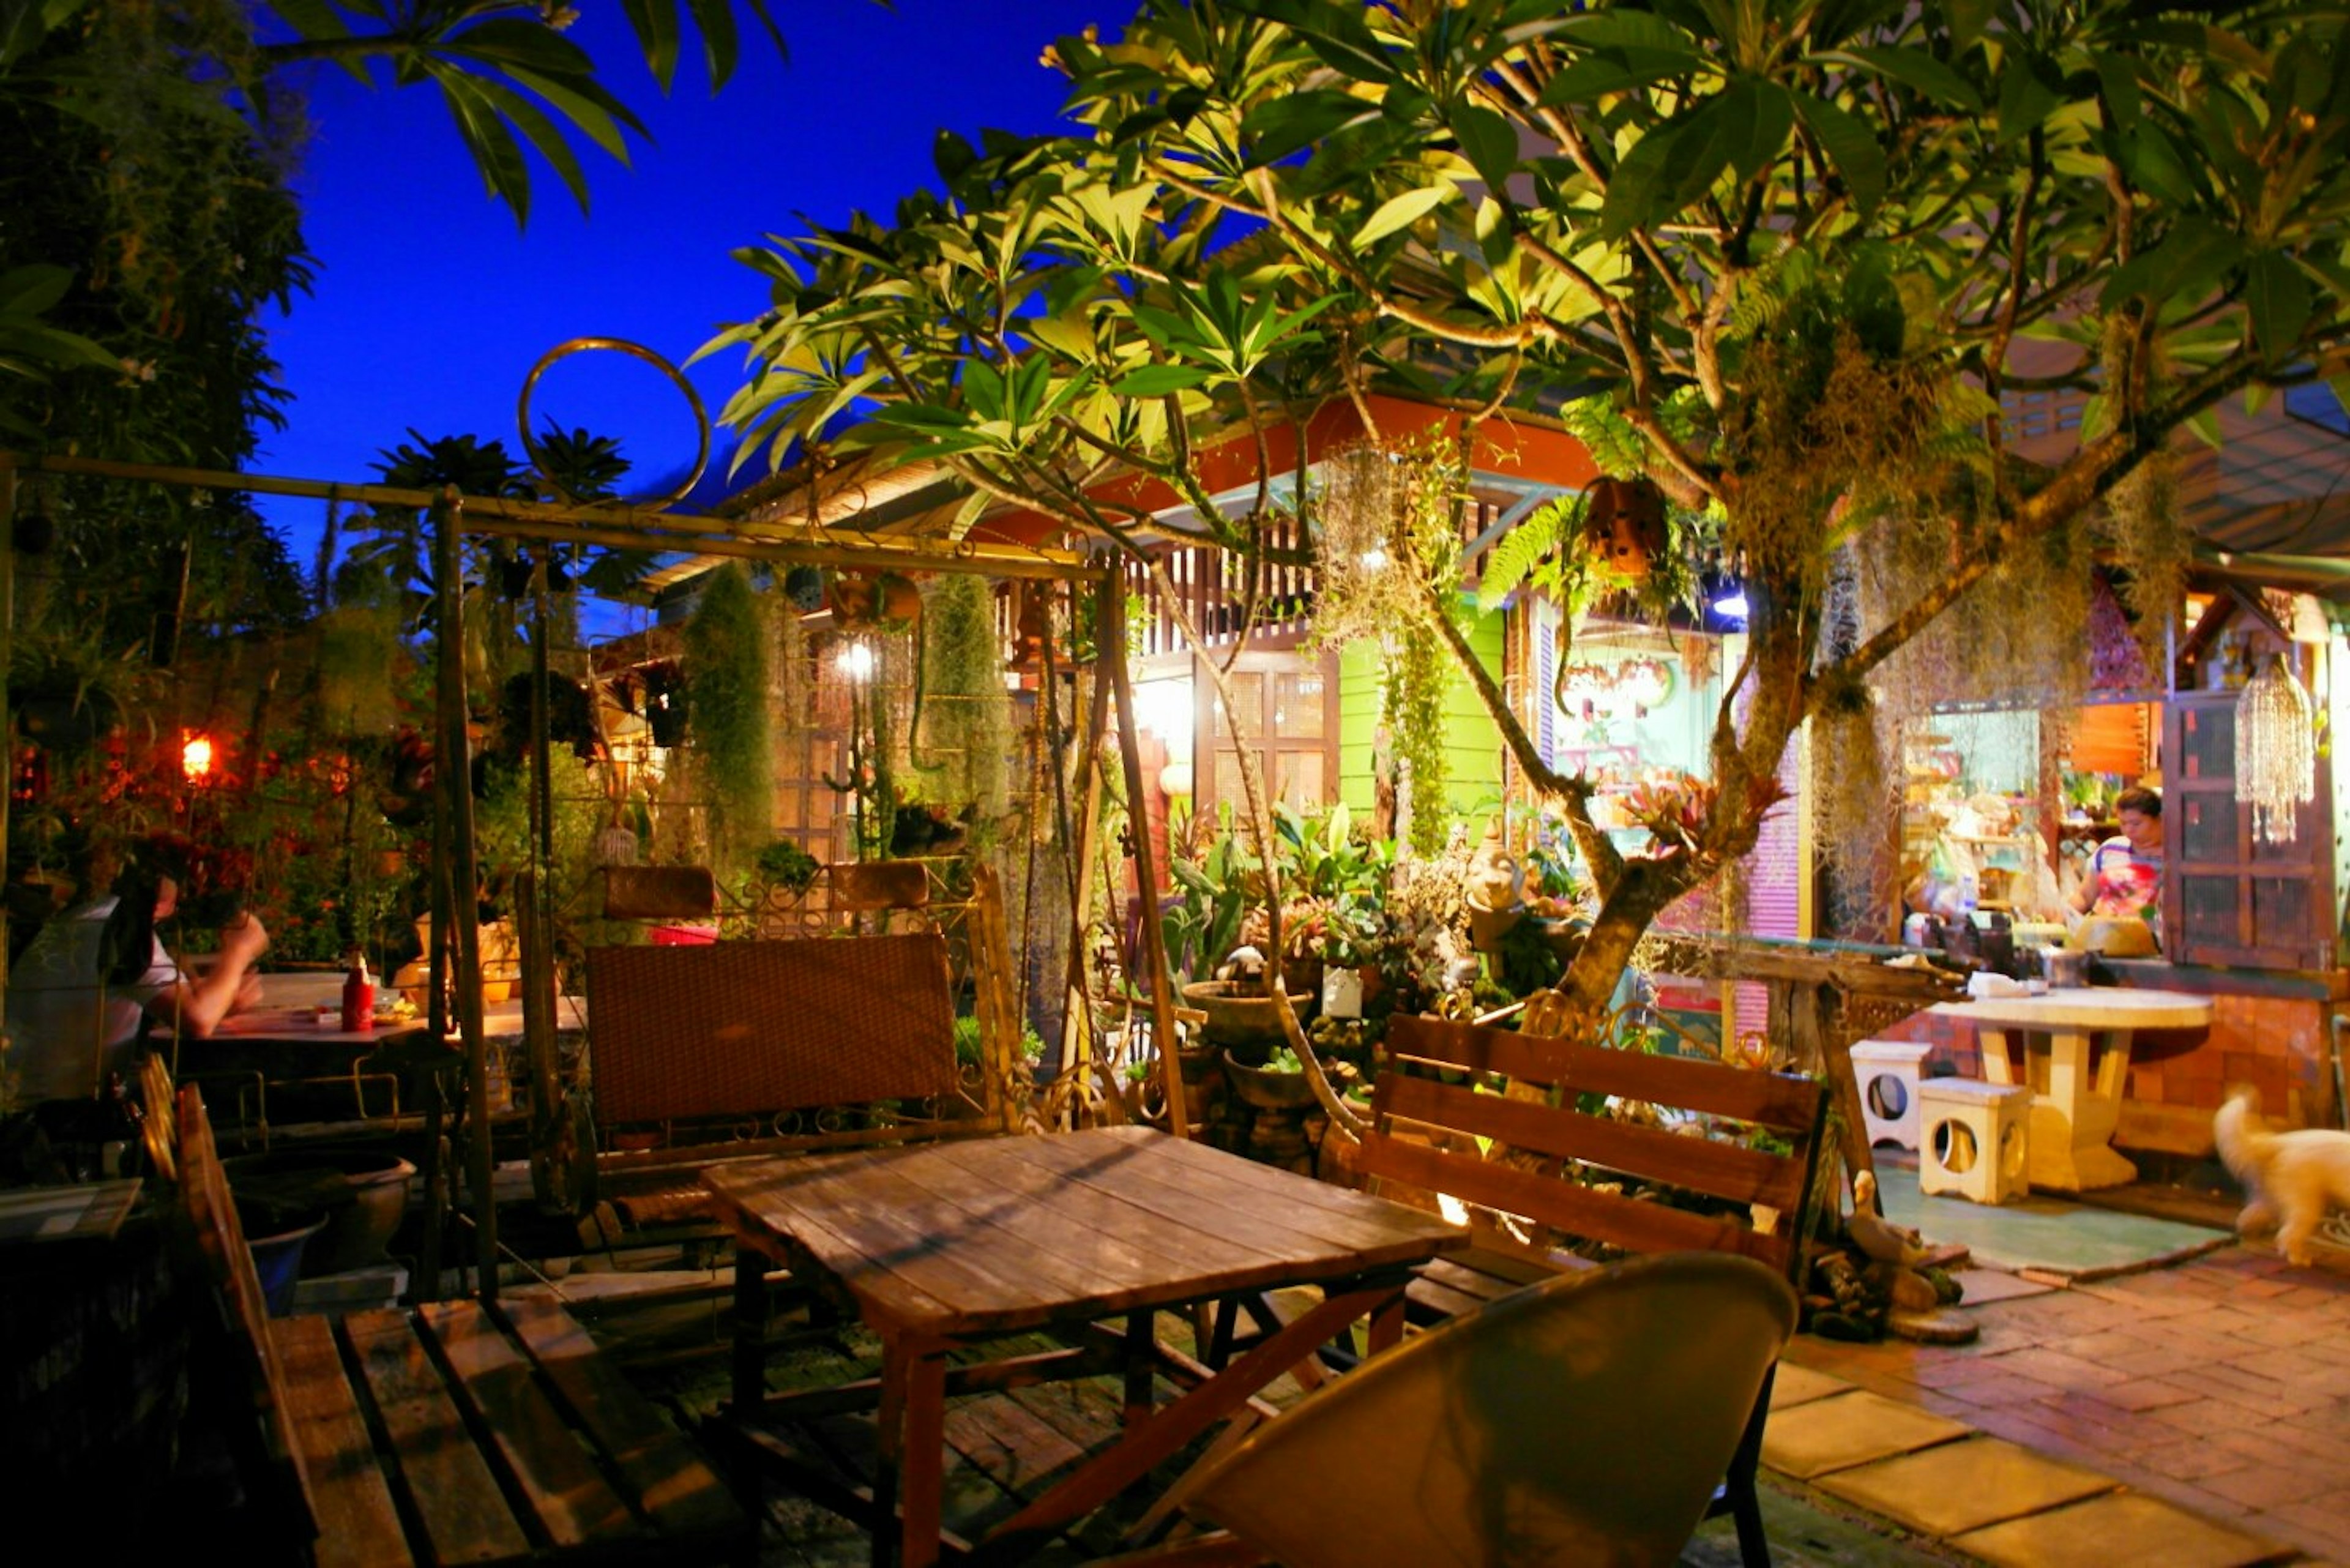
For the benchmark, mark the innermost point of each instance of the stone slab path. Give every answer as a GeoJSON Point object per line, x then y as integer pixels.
{"type": "Point", "coordinates": [2193, 1415]}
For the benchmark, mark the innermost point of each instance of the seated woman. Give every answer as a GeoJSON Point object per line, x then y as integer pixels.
{"type": "Point", "coordinates": [2126, 873]}
{"type": "Point", "coordinates": [81, 997]}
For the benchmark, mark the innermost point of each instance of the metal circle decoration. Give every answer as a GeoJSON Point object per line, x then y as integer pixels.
{"type": "Point", "coordinates": [637, 351]}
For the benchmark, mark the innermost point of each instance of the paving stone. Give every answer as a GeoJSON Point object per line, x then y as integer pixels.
{"type": "Point", "coordinates": [1984, 1286]}
{"type": "Point", "coordinates": [2145, 1393]}
{"type": "Point", "coordinates": [1849, 1429]}
{"type": "Point", "coordinates": [2264, 1486]}
{"type": "Point", "coordinates": [2126, 1527]}
{"type": "Point", "coordinates": [2189, 1459]}
{"type": "Point", "coordinates": [1796, 1386]}
{"type": "Point", "coordinates": [1958, 1487]}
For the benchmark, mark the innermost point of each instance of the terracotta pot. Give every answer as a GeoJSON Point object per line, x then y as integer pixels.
{"type": "Point", "coordinates": [1267, 1090]}
{"type": "Point", "coordinates": [1235, 1017]}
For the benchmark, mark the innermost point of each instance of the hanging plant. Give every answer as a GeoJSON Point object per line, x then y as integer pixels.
{"type": "Point", "coordinates": [803, 589]}
{"type": "Point", "coordinates": [725, 644]}
{"type": "Point", "coordinates": [963, 726]}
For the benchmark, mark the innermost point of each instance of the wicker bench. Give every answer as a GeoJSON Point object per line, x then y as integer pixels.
{"type": "Point", "coordinates": [456, 1433]}
{"type": "Point", "coordinates": [1428, 1117]}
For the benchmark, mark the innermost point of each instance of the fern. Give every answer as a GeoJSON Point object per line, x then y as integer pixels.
{"type": "Point", "coordinates": [1619, 451]}
{"type": "Point", "coordinates": [1524, 548]}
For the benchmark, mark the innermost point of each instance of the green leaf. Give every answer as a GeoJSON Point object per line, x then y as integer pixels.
{"type": "Point", "coordinates": [1766, 114]}
{"type": "Point", "coordinates": [1338, 34]}
{"type": "Point", "coordinates": [2118, 77]}
{"type": "Point", "coordinates": [655, 24]}
{"type": "Point", "coordinates": [2025, 102]}
{"type": "Point", "coordinates": [486, 136]}
{"type": "Point", "coordinates": [1596, 75]}
{"type": "Point", "coordinates": [1401, 211]}
{"type": "Point", "coordinates": [510, 40]}
{"type": "Point", "coordinates": [1160, 379]}
{"type": "Point", "coordinates": [1915, 69]}
{"type": "Point", "coordinates": [2149, 160]}
{"type": "Point", "coordinates": [1635, 191]}
{"type": "Point", "coordinates": [2276, 296]}
{"type": "Point", "coordinates": [1488, 142]}
{"type": "Point", "coordinates": [720, 44]}
{"type": "Point", "coordinates": [1851, 145]}
{"type": "Point", "coordinates": [1284, 125]}
{"type": "Point", "coordinates": [32, 289]}
{"type": "Point", "coordinates": [541, 132]}
{"type": "Point", "coordinates": [585, 104]}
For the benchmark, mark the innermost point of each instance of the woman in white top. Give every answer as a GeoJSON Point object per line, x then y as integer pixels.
{"type": "Point", "coordinates": [80, 998]}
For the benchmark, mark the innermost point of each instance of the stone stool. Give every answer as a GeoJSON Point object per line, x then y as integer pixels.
{"type": "Point", "coordinates": [1974, 1140]}
{"type": "Point", "coordinates": [1888, 1073]}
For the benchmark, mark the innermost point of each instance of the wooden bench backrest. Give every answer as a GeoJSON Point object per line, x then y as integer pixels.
{"type": "Point", "coordinates": [1411, 1092]}
{"type": "Point", "coordinates": [249, 1354]}
{"type": "Point", "coordinates": [746, 1029]}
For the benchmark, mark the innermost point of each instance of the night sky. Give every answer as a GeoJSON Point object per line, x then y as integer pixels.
{"type": "Point", "coordinates": [430, 306]}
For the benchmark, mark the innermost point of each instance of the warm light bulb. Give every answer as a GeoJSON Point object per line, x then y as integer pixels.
{"type": "Point", "coordinates": [1374, 559]}
{"type": "Point", "coordinates": [857, 661]}
{"type": "Point", "coordinates": [196, 758]}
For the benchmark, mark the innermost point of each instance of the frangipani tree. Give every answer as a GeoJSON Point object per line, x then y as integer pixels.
{"type": "Point", "coordinates": [1785, 258]}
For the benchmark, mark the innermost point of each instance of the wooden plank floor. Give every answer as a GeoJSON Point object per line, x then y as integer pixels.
{"type": "Point", "coordinates": [1006, 1449]}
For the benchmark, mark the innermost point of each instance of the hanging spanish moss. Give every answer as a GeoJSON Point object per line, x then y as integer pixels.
{"type": "Point", "coordinates": [1354, 516]}
{"type": "Point", "coordinates": [964, 728]}
{"type": "Point", "coordinates": [2149, 535]}
{"type": "Point", "coordinates": [1854, 796]}
{"type": "Point", "coordinates": [726, 646]}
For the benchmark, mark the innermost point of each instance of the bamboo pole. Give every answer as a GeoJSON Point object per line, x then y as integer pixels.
{"type": "Point", "coordinates": [1109, 640]}
{"type": "Point", "coordinates": [452, 776]}
{"type": "Point", "coordinates": [627, 527]}
{"type": "Point", "coordinates": [533, 903]}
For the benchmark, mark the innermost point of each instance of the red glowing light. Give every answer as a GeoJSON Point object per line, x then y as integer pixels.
{"type": "Point", "coordinates": [196, 758]}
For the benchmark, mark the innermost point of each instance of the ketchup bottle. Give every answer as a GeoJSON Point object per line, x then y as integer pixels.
{"type": "Point", "coordinates": [359, 997]}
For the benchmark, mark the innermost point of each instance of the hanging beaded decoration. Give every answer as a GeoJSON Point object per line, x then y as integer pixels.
{"type": "Point", "coordinates": [2276, 752]}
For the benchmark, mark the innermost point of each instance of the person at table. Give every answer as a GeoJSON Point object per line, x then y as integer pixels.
{"type": "Point", "coordinates": [81, 997]}
{"type": "Point", "coordinates": [2126, 873]}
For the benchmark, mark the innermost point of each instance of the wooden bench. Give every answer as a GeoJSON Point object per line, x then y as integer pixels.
{"type": "Point", "coordinates": [1548, 1142]}
{"type": "Point", "coordinates": [455, 1433]}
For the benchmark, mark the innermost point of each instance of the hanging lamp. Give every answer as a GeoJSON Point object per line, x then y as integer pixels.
{"type": "Point", "coordinates": [2276, 752]}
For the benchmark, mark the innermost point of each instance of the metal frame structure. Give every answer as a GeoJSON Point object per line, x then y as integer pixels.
{"type": "Point", "coordinates": [457, 945]}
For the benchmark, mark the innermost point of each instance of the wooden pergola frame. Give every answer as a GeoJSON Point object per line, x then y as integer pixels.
{"type": "Point", "coordinates": [456, 941]}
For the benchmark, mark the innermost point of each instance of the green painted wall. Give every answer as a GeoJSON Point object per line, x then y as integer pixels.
{"type": "Point", "coordinates": [1474, 749]}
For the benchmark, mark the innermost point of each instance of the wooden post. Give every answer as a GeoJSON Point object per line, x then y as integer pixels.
{"type": "Point", "coordinates": [1109, 636]}
{"type": "Point", "coordinates": [1078, 1020]}
{"type": "Point", "coordinates": [8, 652]}
{"type": "Point", "coordinates": [453, 775]}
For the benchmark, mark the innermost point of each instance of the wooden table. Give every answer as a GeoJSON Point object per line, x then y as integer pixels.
{"type": "Point", "coordinates": [947, 1245]}
{"type": "Point", "coordinates": [2077, 1061]}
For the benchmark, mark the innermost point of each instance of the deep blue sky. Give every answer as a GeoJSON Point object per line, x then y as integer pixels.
{"type": "Point", "coordinates": [430, 306]}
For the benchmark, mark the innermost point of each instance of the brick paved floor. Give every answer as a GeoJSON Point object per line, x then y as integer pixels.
{"type": "Point", "coordinates": [2222, 1385]}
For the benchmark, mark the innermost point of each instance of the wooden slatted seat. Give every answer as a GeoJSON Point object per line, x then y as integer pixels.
{"type": "Point", "coordinates": [1570, 1173]}
{"type": "Point", "coordinates": [456, 1433]}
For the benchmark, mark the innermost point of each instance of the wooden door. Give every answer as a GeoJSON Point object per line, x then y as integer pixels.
{"type": "Point", "coordinates": [2227, 898]}
{"type": "Point", "coordinates": [1288, 713]}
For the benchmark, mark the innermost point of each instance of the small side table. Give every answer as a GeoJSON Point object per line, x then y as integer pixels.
{"type": "Point", "coordinates": [2075, 1057]}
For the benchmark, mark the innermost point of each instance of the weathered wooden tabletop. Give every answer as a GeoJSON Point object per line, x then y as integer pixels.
{"type": "Point", "coordinates": [954, 1243]}
{"type": "Point", "coordinates": [995, 1235]}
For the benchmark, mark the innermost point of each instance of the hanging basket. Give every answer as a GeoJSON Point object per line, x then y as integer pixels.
{"type": "Point", "coordinates": [1624, 523]}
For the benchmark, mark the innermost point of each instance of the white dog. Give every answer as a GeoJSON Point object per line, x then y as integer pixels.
{"type": "Point", "coordinates": [2289, 1178]}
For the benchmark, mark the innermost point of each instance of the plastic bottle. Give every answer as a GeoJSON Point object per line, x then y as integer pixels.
{"type": "Point", "coordinates": [359, 997]}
